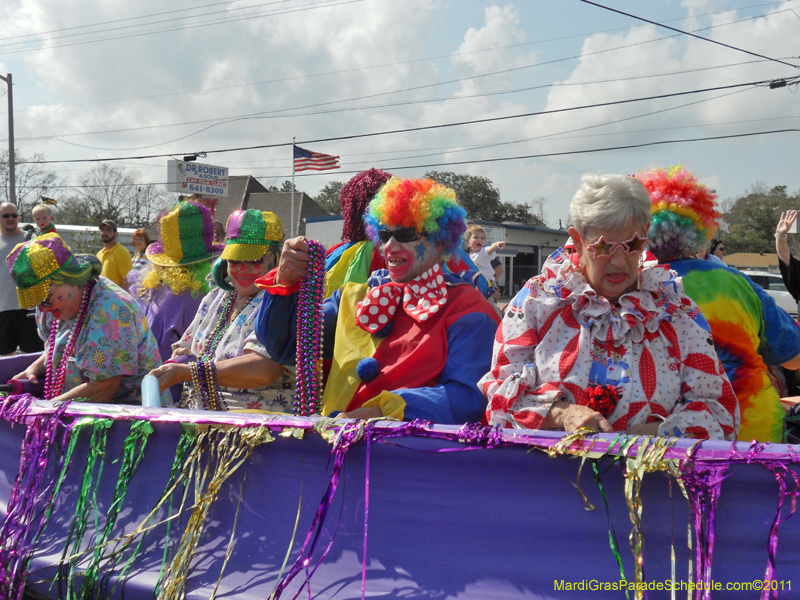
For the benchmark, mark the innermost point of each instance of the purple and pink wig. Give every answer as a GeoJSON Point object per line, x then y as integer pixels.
{"type": "Point", "coordinates": [355, 198]}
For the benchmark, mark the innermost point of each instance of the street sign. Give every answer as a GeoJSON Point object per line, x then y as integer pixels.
{"type": "Point", "coordinates": [197, 178]}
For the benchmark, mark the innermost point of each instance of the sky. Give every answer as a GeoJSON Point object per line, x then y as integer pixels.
{"type": "Point", "coordinates": [100, 79]}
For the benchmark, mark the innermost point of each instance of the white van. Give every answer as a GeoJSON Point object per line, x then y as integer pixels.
{"type": "Point", "coordinates": [772, 283]}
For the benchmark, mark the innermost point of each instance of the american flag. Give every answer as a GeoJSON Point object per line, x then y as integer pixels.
{"type": "Point", "coordinates": [305, 160]}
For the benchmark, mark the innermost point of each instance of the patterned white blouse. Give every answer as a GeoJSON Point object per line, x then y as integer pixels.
{"type": "Point", "coordinates": [559, 338]}
{"type": "Point", "coordinates": [238, 338]}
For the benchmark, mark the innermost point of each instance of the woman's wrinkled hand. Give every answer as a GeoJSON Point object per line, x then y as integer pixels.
{"type": "Point", "coordinates": [644, 429]}
{"type": "Point", "coordinates": [787, 218]}
{"type": "Point", "coordinates": [571, 417]}
{"type": "Point", "coordinates": [294, 261]}
{"type": "Point", "coordinates": [365, 412]}
{"type": "Point", "coordinates": [31, 374]}
{"type": "Point", "coordinates": [181, 352]}
{"type": "Point", "coordinates": [171, 374]}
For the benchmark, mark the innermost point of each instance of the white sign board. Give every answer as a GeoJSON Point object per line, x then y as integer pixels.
{"type": "Point", "coordinates": [197, 178]}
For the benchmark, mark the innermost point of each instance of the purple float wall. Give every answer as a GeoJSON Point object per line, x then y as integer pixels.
{"type": "Point", "coordinates": [475, 523]}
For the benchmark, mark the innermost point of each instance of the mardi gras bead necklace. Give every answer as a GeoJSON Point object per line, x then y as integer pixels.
{"type": "Point", "coordinates": [308, 390]}
{"type": "Point", "coordinates": [54, 382]}
{"type": "Point", "coordinates": [204, 371]}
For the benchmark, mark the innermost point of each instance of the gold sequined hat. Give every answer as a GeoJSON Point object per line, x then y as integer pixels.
{"type": "Point", "coordinates": [33, 263]}
{"type": "Point", "coordinates": [250, 233]}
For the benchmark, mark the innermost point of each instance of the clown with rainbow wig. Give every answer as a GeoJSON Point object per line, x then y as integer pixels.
{"type": "Point", "coordinates": [749, 330]}
{"type": "Point", "coordinates": [413, 340]}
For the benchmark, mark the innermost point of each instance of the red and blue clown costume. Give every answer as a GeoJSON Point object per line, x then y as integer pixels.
{"type": "Point", "coordinates": [418, 369]}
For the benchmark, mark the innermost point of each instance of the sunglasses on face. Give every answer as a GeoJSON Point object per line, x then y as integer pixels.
{"type": "Point", "coordinates": [602, 248]}
{"type": "Point", "coordinates": [10, 215]}
{"type": "Point", "coordinates": [403, 235]}
{"type": "Point", "coordinates": [48, 302]}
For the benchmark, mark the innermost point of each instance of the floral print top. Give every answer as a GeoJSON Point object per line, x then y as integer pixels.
{"type": "Point", "coordinates": [559, 338]}
{"type": "Point", "coordinates": [239, 337]}
{"type": "Point", "coordinates": [114, 340]}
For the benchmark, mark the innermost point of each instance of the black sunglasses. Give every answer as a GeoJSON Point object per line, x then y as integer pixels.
{"type": "Point", "coordinates": [10, 215]}
{"type": "Point", "coordinates": [48, 302]}
{"type": "Point", "coordinates": [403, 235]}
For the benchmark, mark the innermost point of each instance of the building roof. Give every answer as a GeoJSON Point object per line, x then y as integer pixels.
{"type": "Point", "coordinates": [281, 204]}
{"type": "Point", "coordinates": [752, 260]}
{"type": "Point", "coordinates": [239, 189]}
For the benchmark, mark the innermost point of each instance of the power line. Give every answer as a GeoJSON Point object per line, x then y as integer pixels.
{"type": "Point", "coordinates": [123, 20]}
{"type": "Point", "coordinates": [429, 127]}
{"type": "Point", "coordinates": [509, 158]}
{"type": "Point", "coordinates": [382, 66]}
{"type": "Point", "coordinates": [694, 35]}
{"type": "Point", "coordinates": [183, 28]}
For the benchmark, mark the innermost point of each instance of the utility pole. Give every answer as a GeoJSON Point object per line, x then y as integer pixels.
{"type": "Point", "coordinates": [12, 183]}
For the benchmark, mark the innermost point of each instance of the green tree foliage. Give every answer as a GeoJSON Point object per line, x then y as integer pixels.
{"type": "Point", "coordinates": [752, 218]}
{"type": "Point", "coordinates": [328, 197]}
{"type": "Point", "coordinates": [481, 199]}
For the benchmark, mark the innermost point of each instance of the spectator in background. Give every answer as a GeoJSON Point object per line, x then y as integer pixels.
{"type": "Point", "coordinates": [140, 261]}
{"type": "Point", "coordinates": [716, 248]}
{"type": "Point", "coordinates": [115, 257]}
{"type": "Point", "coordinates": [16, 328]}
{"type": "Point", "coordinates": [790, 266]}
{"type": "Point", "coordinates": [43, 217]}
{"type": "Point", "coordinates": [749, 330]}
{"type": "Point", "coordinates": [219, 232]}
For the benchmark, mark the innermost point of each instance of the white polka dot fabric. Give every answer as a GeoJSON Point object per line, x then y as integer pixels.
{"type": "Point", "coordinates": [420, 298]}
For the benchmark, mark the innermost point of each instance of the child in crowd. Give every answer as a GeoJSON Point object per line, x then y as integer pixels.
{"type": "Point", "coordinates": [43, 217]}
{"type": "Point", "coordinates": [480, 254]}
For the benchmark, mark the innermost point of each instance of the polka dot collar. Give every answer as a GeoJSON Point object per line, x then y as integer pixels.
{"type": "Point", "coordinates": [420, 298]}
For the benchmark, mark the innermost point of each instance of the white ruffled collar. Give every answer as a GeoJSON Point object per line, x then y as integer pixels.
{"type": "Point", "coordinates": [660, 294]}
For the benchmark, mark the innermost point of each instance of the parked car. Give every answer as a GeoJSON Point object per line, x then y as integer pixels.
{"type": "Point", "coordinates": [774, 286]}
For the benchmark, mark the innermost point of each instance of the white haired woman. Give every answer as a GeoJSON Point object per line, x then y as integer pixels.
{"type": "Point", "coordinates": [609, 344]}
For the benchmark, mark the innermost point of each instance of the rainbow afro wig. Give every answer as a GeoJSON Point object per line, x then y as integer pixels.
{"type": "Point", "coordinates": [684, 212]}
{"type": "Point", "coordinates": [355, 198]}
{"type": "Point", "coordinates": [423, 204]}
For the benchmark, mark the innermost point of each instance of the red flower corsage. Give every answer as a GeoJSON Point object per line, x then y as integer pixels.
{"type": "Point", "coordinates": [603, 399]}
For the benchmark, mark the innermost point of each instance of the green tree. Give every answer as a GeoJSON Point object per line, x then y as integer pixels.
{"type": "Point", "coordinates": [481, 199]}
{"type": "Point", "coordinates": [328, 197]}
{"type": "Point", "coordinates": [752, 217]}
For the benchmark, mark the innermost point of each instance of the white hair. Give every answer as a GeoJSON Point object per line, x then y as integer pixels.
{"type": "Point", "coordinates": [609, 202]}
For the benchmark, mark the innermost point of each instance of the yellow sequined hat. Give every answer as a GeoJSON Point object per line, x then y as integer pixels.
{"type": "Point", "coordinates": [33, 263]}
{"type": "Point", "coordinates": [250, 233]}
{"type": "Point", "coordinates": [187, 237]}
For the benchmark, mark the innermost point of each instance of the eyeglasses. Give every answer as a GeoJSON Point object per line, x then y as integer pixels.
{"type": "Point", "coordinates": [602, 248]}
{"type": "Point", "coordinates": [10, 215]}
{"type": "Point", "coordinates": [48, 302]}
{"type": "Point", "coordinates": [403, 235]}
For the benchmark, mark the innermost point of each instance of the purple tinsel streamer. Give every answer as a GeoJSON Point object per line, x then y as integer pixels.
{"type": "Point", "coordinates": [475, 434]}
{"type": "Point", "coordinates": [347, 436]}
{"type": "Point", "coordinates": [703, 482]}
{"type": "Point", "coordinates": [31, 492]}
{"type": "Point", "coordinates": [780, 472]}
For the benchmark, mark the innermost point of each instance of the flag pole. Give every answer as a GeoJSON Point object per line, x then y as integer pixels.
{"type": "Point", "coordinates": [291, 230]}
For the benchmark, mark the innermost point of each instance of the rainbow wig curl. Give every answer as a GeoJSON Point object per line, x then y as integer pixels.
{"type": "Point", "coordinates": [423, 204]}
{"type": "Point", "coordinates": [179, 279]}
{"type": "Point", "coordinates": [684, 212]}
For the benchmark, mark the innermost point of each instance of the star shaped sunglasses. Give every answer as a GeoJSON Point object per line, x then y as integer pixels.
{"type": "Point", "coordinates": [601, 247]}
